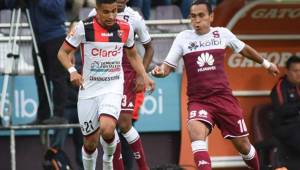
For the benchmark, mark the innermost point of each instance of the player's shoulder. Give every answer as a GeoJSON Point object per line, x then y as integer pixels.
{"type": "Point", "coordinates": [186, 34]}
{"type": "Point", "coordinates": [131, 12]}
{"type": "Point", "coordinates": [87, 21]}
{"type": "Point", "coordinates": [123, 24]}
{"type": "Point", "coordinates": [221, 30]}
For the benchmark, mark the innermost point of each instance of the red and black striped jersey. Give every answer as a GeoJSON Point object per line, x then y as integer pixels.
{"type": "Point", "coordinates": [101, 51]}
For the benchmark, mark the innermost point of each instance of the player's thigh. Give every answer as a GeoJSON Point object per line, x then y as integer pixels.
{"type": "Point", "coordinates": [200, 120]}
{"type": "Point", "coordinates": [229, 117]}
{"type": "Point", "coordinates": [110, 105]}
{"type": "Point", "coordinates": [129, 94]}
{"type": "Point", "coordinates": [88, 115]}
{"type": "Point", "coordinates": [198, 130]}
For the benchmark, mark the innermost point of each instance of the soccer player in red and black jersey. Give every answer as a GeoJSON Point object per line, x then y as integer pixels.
{"type": "Point", "coordinates": [102, 39]}
{"type": "Point", "coordinates": [210, 100]}
{"type": "Point", "coordinates": [131, 81]}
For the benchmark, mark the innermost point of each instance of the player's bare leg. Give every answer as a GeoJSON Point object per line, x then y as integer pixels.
{"type": "Point", "coordinates": [198, 132]}
{"type": "Point", "coordinates": [89, 150]}
{"type": "Point", "coordinates": [133, 138]}
{"type": "Point", "coordinates": [108, 139]}
{"type": "Point", "coordinates": [247, 151]}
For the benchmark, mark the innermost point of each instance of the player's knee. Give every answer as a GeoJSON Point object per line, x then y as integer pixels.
{"type": "Point", "coordinates": [107, 132]}
{"type": "Point", "coordinates": [125, 126]}
{"type": "Point", "coordinates": [90, 145]}
{"type": "Point", "coordinates": [198, 130]}
{"type": "Point", "coordinates": [242, 145]}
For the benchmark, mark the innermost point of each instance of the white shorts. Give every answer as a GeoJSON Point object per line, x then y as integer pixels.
{"type": "Point", "coordinates": [89, 110]}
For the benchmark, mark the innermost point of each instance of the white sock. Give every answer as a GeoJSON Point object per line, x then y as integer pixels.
{"type": "Point", "coordinates": [250, 155]}
{"type": "Point", "coordinates": [89, 160]}
{"type": "Point", "coordinates": [199, 145]}
{"type": "Point", "coordinates": [109, 149]}
{"type": "Point", "coordinates": [131, 136]}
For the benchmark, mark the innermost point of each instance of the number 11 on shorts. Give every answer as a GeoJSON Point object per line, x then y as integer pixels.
{"type": "Point", "coordinates": [242, 125]}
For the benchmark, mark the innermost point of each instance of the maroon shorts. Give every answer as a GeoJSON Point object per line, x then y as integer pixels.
{"type": "Point", "coordinates": [222, 110]}
{"type": "Point", "coordinates": [129, 94]}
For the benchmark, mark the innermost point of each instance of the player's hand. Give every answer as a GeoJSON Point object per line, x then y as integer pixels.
{"type": "Point", "coordinates": [139, 84]}
{"type": "Point", "coordinates": [273, 69]}
{"type": "Point", "coordinates": [150, 85]}
{"type": "Point", "coordinates": [76, 79]}
{"type": "Point", "coordinates": [158, 72]}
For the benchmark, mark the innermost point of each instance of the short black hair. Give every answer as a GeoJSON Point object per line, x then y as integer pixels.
{"type": "Point", "coordinates": [204, 2]}
{"type": "Point", "coordinates": [105, 1]}
{"type": "Point", "coordinates": [292, 60]}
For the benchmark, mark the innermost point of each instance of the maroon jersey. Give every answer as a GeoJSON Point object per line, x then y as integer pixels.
{"type": "Point", "coordinates": [203, 57]}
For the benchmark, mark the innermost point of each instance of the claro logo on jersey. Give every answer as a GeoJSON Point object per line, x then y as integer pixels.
{"type": "Point", "coordinates": [206, 58]}
{"type": "Point", "coordinates": [98, 52]}
{"type": "Point", "coordinates": [198, 44]}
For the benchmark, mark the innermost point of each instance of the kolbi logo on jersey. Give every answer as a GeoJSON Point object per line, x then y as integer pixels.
{"type": "Point", "coordinates": [98, 52]}
{"type": "Point", "coordinates": [203, 59]}
{"type": "Point", "coordinates": [194, 45]}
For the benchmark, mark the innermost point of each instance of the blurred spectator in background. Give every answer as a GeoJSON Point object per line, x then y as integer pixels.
{"type": "Point", "coordinates": [74, 6]}
{"type": "Point", "coordinates": [70, 114]}
{"type": "Point", "coordinates": [48, 21]}
{"type": "Point", "coordinates": [286, 102]}
{"type": "Point", "coordinates": [145, 6]}
{"type": "Point", "coordinates": [2, 4]}
{"type": "Point", "coordinates": [185, 6]}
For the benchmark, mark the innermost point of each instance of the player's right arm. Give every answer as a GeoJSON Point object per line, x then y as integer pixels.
{"type": "Point", "coordinates": [69, 46]}
{"type": "Point", "coordinates": [162, 71]}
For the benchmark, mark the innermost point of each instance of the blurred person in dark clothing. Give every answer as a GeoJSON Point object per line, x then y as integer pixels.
{"type": "Point", "coordinates": [48, 21]}
{"type": "Point", "coordinates": [70, 114]}
{"type": "Point", "coordinates": [286, 103]}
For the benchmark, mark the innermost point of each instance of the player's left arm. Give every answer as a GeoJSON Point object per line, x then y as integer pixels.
{"type": "Point", "coordinates": [247, 51]}
{"type": "Point", "coordinates": [252, 54]}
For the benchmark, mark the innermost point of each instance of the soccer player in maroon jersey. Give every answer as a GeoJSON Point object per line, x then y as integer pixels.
{"type": "Point", "coordinates": [210, 100]}
{"type": "Point", "coordinates": [101, 39]}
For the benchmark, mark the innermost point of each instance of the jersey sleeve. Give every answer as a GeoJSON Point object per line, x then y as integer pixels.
{"type": "Point", "coordinates": [92, 13]}
{"type": "Point", "coordinates": [130, 39]}
{"type": "Point", "coordinates": [175, 52]}
{"type": "Point", "coordinates": [232, 41]}
{"type": "Point", "coordinates": [142, 30]}
{"type": "Point", "coordinates": [76, 36]}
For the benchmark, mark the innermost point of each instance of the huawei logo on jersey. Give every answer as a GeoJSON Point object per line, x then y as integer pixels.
{"type": "Point", "coordinates": [98, 52]}
{"type": "Point", "coordinates": [206, 58]}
